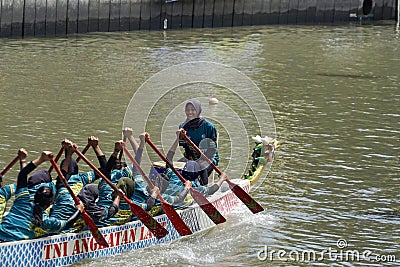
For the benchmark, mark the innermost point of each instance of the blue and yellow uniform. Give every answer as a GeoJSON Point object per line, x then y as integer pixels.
{"type": "Point", "coordinates": [105, 200]}
{"type": "Point", "coordinates": [171, 195]}
{"type": "Point", "coordinates": [18, 224]}
{"type": "Point", "coordinates": [6, 192]}
{"type": "Point", "coordinates": [141, 193]}
{"type": "Point", "coordinates": [174, 180]}
{"type": "Point", "coordinates": [139, 196]}
{"type": "Point", "coordinates": [124, 213]}
{"type": "Point", "coordinates": [64, 205]}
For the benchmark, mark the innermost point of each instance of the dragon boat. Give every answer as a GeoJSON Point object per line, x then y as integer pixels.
{"type": "Point", "coordinates": [70, 248]}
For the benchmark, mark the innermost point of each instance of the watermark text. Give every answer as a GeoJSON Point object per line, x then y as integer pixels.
{"type": "Point", "coordinates": [340, 253]}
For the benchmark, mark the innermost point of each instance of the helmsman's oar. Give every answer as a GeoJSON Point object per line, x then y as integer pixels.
{"type": "Point", "coordinates": [58, 156]}
{"type": "Point", "coordinates": [88, 220]}
{"type": "Point", "coordinates": [203, 202]}
{"type": "Point", "coordinates": [173, 216]}
{"type": "Point", "coordinates": [155, 227]}
{"type": "Point", "coordinates": [236, 189]}
{"type": "Point", "coordinates": [9, 166]}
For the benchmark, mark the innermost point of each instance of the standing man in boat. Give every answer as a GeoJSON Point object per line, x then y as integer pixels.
{"type": "Point", "coordinates": [198, 128]}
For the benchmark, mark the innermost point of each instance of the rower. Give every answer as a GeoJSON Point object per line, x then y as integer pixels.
{"type": "Point", "coordinates": [64, 205]}
{"type": "Point", "coordinates": [24, 220]}
{"type": "Point", "coordinates": [129, 180]}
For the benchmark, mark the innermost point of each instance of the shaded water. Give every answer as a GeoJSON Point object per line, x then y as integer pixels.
{"type": "Point", "coordinates": [334, 93]}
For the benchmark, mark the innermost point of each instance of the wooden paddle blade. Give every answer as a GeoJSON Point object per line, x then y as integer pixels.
{"type": "Point", "coordinates": [207, 207]}
{"type": "Point", "coordinates": [155, 227]}
{"type": "Point", "coordinates": [245, 197]}
{"type": "Point", "coordinates": [237, 190]}
{"type": "Point", "coordinates": [175, 219]}
{"type": "Point", "coordinates": [94, 229]}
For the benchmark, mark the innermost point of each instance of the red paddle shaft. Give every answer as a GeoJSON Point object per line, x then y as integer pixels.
{"type": "Point", "coordinates": [173, 216]}
{"type": "Point", "coordinates": [84, 151]}
{"type": "Point", "coordinates": [57, 158]}
{"type": "Point", "coordinates": [203, 202]}
{"type": "Point", "coordinates": [9, 166]}
{"type": "Point", "coordinates": [88, 220]}
{"type": "Point", "coordinates": [236, 189]}
{"type": "Point", "coordinates": [155, 227]}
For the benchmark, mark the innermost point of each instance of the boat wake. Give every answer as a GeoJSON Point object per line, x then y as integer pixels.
{"type": "Point", "coordinates": [218, 246]}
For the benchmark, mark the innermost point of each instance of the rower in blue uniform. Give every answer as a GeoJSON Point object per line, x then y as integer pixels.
{"type": "Point", "coordinates": [27, 220]}
{"type": "Point", "coordinates": [64, 205]}
{"type": "Point", "coordinates": [36, 180]}
{"type": "Point", "coordinates": [127, 179]}
{"type": "Point", "coordinates": [172, 188]}
{"type": "Point", "coordinates": [6, 192]}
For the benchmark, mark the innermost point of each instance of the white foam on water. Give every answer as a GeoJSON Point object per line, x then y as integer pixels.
{"type": "Point", "coordinates": [221, 245]}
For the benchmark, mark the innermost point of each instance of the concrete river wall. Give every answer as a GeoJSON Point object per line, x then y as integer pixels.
{"type": "Point", "coordinates": [23, 18]}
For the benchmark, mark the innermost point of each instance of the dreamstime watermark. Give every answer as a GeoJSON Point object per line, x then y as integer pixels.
{"type": "Point", "coordinates": [158, 105]}
{"type": "Point", "coordinates": [339, 253]}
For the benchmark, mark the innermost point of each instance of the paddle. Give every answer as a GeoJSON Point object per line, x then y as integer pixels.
{"type": "Point", "coordinates": [173, 216]}
{"type": "Point", "coordinates": [203, 202]}
{"type": "Point", "coordinates": [6, 169]}
{"type": "Point", "coordinates": [236, 189]}
{"type": "Point", "coordinates": [9, 166]}
{"type": "Point", "coordinates": [57, 158]}
{"type": "Point", "coordinates": [88, 220]}
{"type": "Point", "coordinates": [61, 151]}
{"type": "Point", "coordinates": [84, 151]}
{"type": "Point", "coordinates": [155, 227]}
